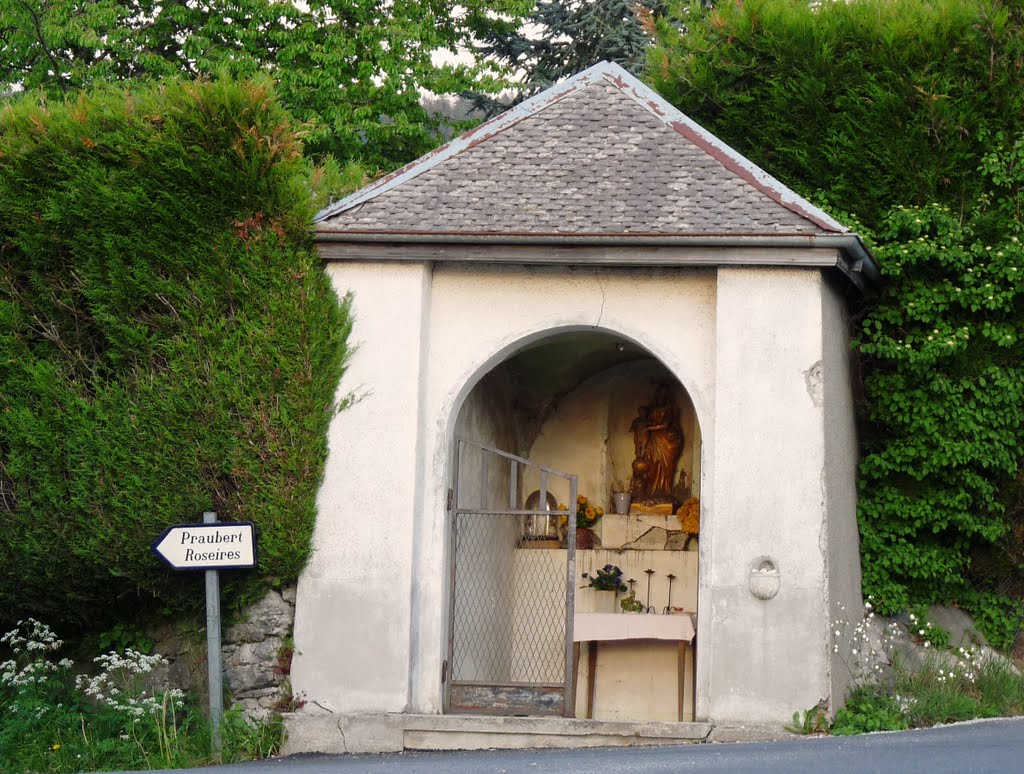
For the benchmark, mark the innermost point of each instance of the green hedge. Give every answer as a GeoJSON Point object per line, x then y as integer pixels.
{"type": "Point", "coordinates": [168, 343]}
{"type": "Point", "coordinates": [874, 103]}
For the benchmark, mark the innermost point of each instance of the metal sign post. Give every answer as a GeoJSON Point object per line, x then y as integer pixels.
{"type": "Point", "coordinates": [213, 655]}
{"type": "Point", "coordinates": [211, 546]}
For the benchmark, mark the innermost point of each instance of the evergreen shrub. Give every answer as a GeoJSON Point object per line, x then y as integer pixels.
{"type": "Point", "coordinates": [874, 103]}
{"type": "Point", "coordinates": [168, 343]}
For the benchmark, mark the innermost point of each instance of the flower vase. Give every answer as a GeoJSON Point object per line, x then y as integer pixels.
{"type": "Point", "coordinates": [605, 601]}
{"type": "Point", "coordinates": [584, 538]}
{"type": "Point", "coordinates": [621, 501]}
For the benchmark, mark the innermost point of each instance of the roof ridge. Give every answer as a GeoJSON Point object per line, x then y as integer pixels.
{"type": "Point", "coordinates": [722, 152]}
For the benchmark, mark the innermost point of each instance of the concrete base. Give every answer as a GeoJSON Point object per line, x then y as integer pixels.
{"type": "Point", "coordinates": [750, 732]}
{"type": "Point", "coordinates": [329, 733]}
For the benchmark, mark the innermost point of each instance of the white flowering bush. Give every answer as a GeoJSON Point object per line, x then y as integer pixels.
{"type": "Point", "coordinates": [121, 685]}
{"type": "Point", "coordinates": [966, 665]}
{"type": "Point", "coordinates": [29, 678]}
{"type": "Point", "coordinates": [114, 720]}
{"type": "Point", "coordinates": [865, 645]}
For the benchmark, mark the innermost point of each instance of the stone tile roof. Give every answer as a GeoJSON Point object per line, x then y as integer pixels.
{"type": "Point", "coordinates": [598, 155]}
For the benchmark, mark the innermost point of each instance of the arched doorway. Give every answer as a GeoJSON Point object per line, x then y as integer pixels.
{"type": "Point", "coordinates": [564, 415]}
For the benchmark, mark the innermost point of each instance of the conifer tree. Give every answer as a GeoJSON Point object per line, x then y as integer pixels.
{"type": "Point", "coordinates": [562, 37]}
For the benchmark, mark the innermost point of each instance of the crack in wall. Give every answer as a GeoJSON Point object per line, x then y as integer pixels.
{"type": "Point", "coordinates": [814, 380]}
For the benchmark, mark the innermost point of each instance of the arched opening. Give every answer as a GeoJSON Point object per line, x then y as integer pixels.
{"type": "Point", "coordinates": [615, 420]}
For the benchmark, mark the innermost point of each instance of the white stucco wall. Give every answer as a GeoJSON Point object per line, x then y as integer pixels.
{"type": "Point", "coordinates": [352, 625]}
{"type": "Point", "coordinates": [371, 630]}
{"type": "Point", "coordinates": [840, 434]}
{"type": "Point", "coordinates": [768, 658]}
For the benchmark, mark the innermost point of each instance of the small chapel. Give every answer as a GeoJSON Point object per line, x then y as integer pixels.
{"type": "Point", "coordinates": [595, 481]}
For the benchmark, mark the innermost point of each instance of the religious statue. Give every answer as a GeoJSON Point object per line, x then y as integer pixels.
{"type": "Point", "coordinates": [658, 444]}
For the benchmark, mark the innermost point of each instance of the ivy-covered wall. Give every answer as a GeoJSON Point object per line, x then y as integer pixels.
{"type": "Point", "coordinates": [942, 346]}
{"type": "Point", "coordinates": [168, 343]}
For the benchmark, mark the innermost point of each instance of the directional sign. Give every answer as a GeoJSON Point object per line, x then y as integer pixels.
{"type": "Point", "coordinates": [218, 546]}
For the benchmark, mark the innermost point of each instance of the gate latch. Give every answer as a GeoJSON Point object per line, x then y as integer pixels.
{"type": "Point", "coordinates": [451, 497]}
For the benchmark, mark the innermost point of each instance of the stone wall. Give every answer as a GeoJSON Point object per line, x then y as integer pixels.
{"type": "Point", "coordinates": [256, 654]}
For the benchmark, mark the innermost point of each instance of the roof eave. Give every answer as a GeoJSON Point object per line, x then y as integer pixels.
{"type": "Point", "coordinates": [852, 258]}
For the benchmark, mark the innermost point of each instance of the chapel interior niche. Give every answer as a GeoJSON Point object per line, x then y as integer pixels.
{"type": "Point", "coordinates": [604, 409]}
{"type": "Point", "coordinates": [572, 402]}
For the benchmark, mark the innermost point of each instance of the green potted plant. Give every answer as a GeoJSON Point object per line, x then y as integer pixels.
{"type": "Point", "coordinates": [608, 578]}
{"type": "Point", "coordinates": [630, 604]}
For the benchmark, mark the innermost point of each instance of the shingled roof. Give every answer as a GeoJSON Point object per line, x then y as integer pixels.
{"type": "Point", "coordinates": [600, 157]}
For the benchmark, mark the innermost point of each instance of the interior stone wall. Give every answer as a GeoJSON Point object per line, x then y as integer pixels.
{"type": "Point", "coordinates": [489, 416]}
{"type": "Point", "coordinates": [584, 432]}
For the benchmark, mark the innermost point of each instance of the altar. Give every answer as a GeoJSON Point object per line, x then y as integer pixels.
{"type": "Point", "coordinates": [596, 628]}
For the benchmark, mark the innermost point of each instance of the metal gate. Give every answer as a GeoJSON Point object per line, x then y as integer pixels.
{"type": "Point", "coordinates": [512, 587]}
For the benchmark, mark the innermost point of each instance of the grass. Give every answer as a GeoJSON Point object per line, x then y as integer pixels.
{"type": "Point", "coordinates": [945, 687]}
{"type": "Point", "coordinates": [82, 738]}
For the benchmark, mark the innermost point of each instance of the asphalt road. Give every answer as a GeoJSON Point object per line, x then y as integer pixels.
{"type": "Point", "coordinates": [982, 746]}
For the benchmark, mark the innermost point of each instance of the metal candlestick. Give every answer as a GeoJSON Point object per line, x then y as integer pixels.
{"type": "Point", "coordinates": [649, 608]}
{"type": "Point", "coordinates": [668, 607]}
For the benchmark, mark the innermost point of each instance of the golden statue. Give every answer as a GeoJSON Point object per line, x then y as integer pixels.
{"type": "Point", "coordinates": [658, 444]}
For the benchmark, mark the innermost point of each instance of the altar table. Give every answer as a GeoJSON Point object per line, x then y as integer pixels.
{"type": "Point", "coordinates": [594, 628]}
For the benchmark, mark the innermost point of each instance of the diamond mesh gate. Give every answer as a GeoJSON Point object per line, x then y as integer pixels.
{"type": "Point", "coordinates": [512, 586]}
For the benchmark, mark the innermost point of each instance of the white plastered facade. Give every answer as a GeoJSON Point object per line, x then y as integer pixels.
{"type": "Point", "coordinates": [762, 354]}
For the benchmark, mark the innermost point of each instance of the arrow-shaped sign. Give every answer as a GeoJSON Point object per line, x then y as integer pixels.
{"type": "Point", "coordinates": [217, 546]}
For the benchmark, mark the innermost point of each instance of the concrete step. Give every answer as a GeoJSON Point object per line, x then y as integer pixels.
{"type": "Point", "coordinates": [330, 733]}
{"type": "Point", "coordinates": [470, 732]}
